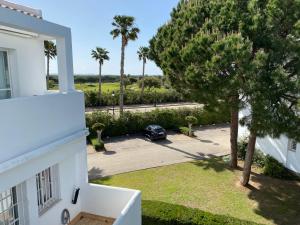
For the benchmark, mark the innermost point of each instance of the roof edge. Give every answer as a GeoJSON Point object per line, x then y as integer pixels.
{"type": "Point", "coordinates": [22, 9]}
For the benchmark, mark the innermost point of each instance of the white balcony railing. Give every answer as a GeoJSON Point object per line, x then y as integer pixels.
{"type": "Point", "coordinates": [29, 123]}
{"type": "Point", "coordinates": [124, 205]}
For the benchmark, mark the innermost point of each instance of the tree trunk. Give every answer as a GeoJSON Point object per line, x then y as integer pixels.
{"type": "Point", "coordinates": [99, 135]}
{"type": "Point", "coordinates": [234, 129]}
{"type": "Point", "coordinates": [249, 157]}
{"type": "Point", "coordinates": [190, 130]}
{"type": "Point", "coordinates": [122, 77]}
{"type": "Point", "coordinates": [100, 83]}
{"type": "Point", "coordinates": [48, 75]}
{"type": "Point", "coordinates": [143, 85]}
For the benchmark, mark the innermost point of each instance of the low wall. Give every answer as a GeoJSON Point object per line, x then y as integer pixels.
{"type": "Point", "coordinates": [122, 204]}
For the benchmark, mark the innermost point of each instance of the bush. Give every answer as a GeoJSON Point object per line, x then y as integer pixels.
{"type": "Point", "coordinates": [271, 167]}
{"type": "Point", "coordinates": [191, 120]}
{"type": "Point", "coordinates": [258, 158]}
{"type": "Point", "coordinates": [150, 82]}
{"type": "Point", "coordinates": [130, 123]}
{"type": "Point", "coordinates": [51, 84]}
{"type": "Point", "coordinates": [275, 169]}
{"type": "Point", "coordinates": [242, 148]}
{"type": "Point", "coordinates": [98, 127]}
{"type": "Point", "coordinates": [99, 146]}
{"type": "Point", "coordinates": [133, 97]}
{"type": "Point", "coordinates": [184, 130]}
{"type": "Point", "coordinates": [161, 213]}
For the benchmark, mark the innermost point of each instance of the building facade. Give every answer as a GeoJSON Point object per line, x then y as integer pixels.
{"type": "Point", "coordinates": [285, 150]}
{"type": "Point", "coordinates": [43, 160]}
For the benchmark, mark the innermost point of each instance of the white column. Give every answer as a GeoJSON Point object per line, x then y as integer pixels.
{"type": "Point", "coordinates": [65, 63]}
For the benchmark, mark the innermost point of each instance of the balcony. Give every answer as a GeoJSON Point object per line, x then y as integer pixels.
{"type": "Point", "coordinates": [29, 123]}
{"type": "Point", "coordinates": [109, 206]}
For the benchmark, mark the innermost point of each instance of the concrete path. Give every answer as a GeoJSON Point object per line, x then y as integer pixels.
{"type": "Point", "coordinates": [132, 153]}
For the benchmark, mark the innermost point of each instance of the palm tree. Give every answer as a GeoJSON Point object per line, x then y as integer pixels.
{"type": "Point", "coordinates": [50, 53]}
{"type": "Point", "coordinates": [143, 54]}
{"type": "Point", "coordinates": [124, 27]}
{"type": "Point", "coordinates": [100, 55]}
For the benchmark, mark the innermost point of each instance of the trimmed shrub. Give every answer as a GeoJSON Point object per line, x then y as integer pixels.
{"type": "Point", "coordinates": [98, 127]}
{"type": "Point", "coordinates": [275, 169]}
{"type": "Point", "coordinates": [130, 123]}
{"type": "Point", "coordinates": [161, 213]}
{"type": "Point", "coordinates": [99, 146]}
{"type": "Point", "coordinates": [184, 130]}
{"type": "Point", "coordinates": [242, 148]}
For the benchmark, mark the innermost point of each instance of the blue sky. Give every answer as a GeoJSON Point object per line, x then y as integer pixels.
{"type": "Point", "coordinates": [91, 20]}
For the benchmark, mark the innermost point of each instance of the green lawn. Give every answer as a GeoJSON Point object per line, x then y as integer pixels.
{"type": "Point", "coordinates": [106, 87]}
{"type": "Point", "coordinates": [212, 187]}
{"type": "Point", "coordinates": [109, 87]}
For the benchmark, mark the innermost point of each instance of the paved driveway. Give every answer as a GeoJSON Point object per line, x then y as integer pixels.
{"type": "Point", "coordinates": [132, 153]}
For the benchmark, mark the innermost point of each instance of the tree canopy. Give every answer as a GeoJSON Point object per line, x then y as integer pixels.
{"type": "Point", "coordinates": [245, 53]}
{"type": "Point", "coordinates": [100, 54]}
{"type": "Point", "coordinates": [252, 47]}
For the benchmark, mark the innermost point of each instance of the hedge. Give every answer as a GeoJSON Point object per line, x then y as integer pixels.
{"type": "Point", "coordinates": [161, 213]}
{"type": "Point", "coordinates": [131, 123]}
{"type": "Point", "coordinates": [133, 97]}
{"type": "Point", "coordinates": [271, 167]}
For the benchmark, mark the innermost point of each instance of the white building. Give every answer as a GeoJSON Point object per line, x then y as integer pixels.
{"type": "Point", "coordinates": [43, 135]}
{"type": "Point", "coordinates": [285, 150]}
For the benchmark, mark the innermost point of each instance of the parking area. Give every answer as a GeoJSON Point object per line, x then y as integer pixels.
{"type": "Point", "coordinates": [130, 153]}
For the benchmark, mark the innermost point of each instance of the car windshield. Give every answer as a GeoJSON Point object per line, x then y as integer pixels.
{"type": "Point", "coordinates": [159, 129]}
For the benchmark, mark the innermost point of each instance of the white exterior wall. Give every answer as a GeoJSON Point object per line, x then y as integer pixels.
{"type": "Point", "coordinates": [120, 203]}
{"type": "Point", "coordinates": [276, 147]}
{"type": "Point", "coordinates": [32, 122]}
{"type": "Point", "coordinates": [26, 64]}
{"type": "Point", "coordinates": [39, 130]}
{"type": "Point", "coordinates": [68, 165]}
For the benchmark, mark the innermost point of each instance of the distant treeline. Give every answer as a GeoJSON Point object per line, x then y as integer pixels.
{"type": "Point", "coordinates": [95, 78]}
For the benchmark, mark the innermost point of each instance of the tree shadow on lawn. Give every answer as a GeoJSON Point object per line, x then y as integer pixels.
{"type": "Point", "coordinates": [278, 200]}
{"type": "Point", "coordinates": [213, 162]}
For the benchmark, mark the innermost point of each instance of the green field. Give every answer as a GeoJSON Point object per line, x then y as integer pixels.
{"type": "Point", "coordinates": [211, 186]}
{"type": "Point", "coordinates": [108, 87]}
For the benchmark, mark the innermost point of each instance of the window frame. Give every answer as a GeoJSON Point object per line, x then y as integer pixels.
{"type": "Point", "coordinates": [14, 206]}
{"type": "Point", "coordinates": [47, 189]}
{"type": "Point", "coordinates": [10, 89]}
{"type": "Point", "coordinates": [292, 145]}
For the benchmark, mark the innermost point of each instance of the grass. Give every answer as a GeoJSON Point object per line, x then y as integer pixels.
{"type": "Point", "coordinates": [108, 87]}
{"type": "Point", "coordinates": [211, 186]}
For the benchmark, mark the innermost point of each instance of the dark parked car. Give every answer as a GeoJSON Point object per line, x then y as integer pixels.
{"type": "Point", "coordinates": [155, 132]}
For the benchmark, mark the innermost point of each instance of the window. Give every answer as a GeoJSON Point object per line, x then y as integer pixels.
{"type": "Point", "coordinates": [292, 145]}
{"type": "Point", "coordinates": [5, 88]}
{"type": "Point", "coordinates": [47, 188]}
{"type": "Point", "coordinates": [12, 210]}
